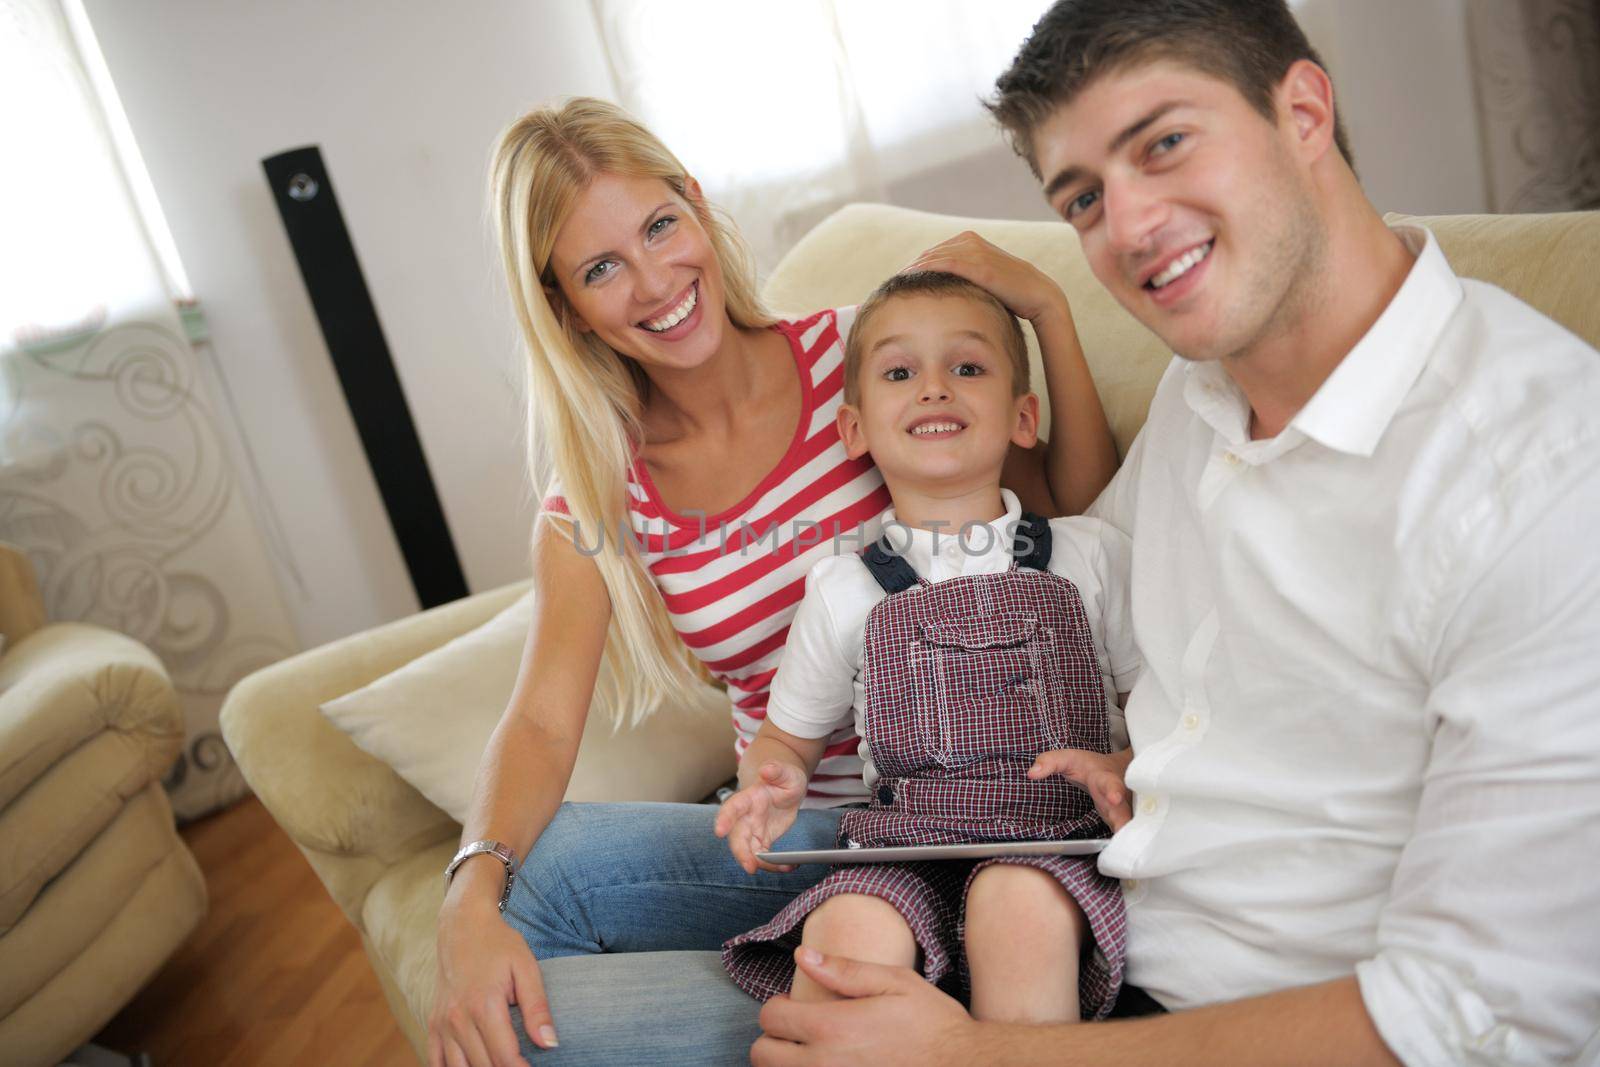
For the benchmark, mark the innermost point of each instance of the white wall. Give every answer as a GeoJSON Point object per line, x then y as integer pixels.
{"type": "Point", "coordinates": [1403, 80]}
{"type": "Point", "coordinates": [404, 99]}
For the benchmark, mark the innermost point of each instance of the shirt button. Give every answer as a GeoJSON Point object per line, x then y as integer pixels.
{"type": "Point", "coordinates": [1148, 805]}
{"type": "Point", "coordinates": [1232, 458]}
{"type": "Point", "coordinates": [1191, 721]}
{"type": "Point", "coordinates": [1131, 885]}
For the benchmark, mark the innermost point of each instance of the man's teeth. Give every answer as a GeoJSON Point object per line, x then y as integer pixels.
{"type": "Point", "coordinates": [935, 427]}
{"type": "Point", "coordinates": [1180, 266]}
{"type": "Point", "coordinates": [675, 316]}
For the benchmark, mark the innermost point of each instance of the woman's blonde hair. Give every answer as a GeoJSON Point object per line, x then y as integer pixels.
{"type": "Point", "coordinates": [585, 401]}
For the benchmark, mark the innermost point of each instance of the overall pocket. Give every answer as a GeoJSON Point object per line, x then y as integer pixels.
{"type": "Point", "coordinates": [981, 689]}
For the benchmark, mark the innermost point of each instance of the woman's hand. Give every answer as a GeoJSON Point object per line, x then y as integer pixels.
{"type": "Point", "coordinates": [760, 813]}
{"type": "Point", "coordinates": [1101, 776]}
{"type": "Point", "coordinates": [1023, 288]}
{"type": "Point", "coordinates": [484, 966]}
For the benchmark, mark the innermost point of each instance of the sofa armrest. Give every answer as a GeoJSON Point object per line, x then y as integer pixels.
{"type": "Point", "coordinates": [67, 682]}
{"type": "Point", "coordinates": [349, 812]}
{"type": "Point", "coordinates": [88, 719]}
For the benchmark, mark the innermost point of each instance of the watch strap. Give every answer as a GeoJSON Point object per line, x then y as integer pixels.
{"type": "Point", "coordinates": [500, 851]}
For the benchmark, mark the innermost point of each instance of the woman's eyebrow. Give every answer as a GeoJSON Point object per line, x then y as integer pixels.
{"type": "Point", "coordinates": [649, 220]}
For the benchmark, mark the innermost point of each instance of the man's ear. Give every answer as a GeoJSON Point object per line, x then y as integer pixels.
{"type": "Point", "coordinates": [563, 310]}
{"type": "Point", "coordinates": [1305, 102]}
{"type": "Point", "coordinates": [1025, 433]}
{"type": "Point", "coordinates": [850, 431]}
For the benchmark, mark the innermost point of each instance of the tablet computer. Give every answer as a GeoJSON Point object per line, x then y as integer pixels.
{"type": "Point", "coordinates": [976, 851]}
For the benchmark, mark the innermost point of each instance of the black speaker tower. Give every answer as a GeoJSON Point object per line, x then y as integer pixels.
{"type": "Point", "coordinates": [349, 322]}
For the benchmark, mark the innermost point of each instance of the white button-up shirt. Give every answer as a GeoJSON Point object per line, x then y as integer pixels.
{"type": "Point", "coordinates": [1368, 732]}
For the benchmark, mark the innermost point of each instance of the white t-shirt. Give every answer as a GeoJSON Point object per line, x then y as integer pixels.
{"type": "Point", "coordinates": [818, 687]}
{"type": "Point", "coordinates": [1368, 732]}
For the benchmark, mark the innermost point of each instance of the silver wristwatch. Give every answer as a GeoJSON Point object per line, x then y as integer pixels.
{"type": "Point", "coordinates": [501, 852]}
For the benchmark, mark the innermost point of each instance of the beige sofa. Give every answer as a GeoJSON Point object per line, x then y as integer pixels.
{"type": "Point", "coordinates": [380, 847]}
{"type": "Point", "coordinates": [96, 888]}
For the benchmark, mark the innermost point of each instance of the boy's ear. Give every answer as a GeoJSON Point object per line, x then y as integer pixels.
{"type": "Point", "coordinates": [850, 431]}
{"type": "Point", "coordinates": [1025, 433]}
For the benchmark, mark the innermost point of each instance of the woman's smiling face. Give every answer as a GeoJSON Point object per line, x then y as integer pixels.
{"type": "Point", "coordinates": [638, 270]}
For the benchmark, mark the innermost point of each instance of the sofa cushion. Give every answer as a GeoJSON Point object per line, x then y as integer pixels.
{"type": "Point", "coordinates": [1545, 260]}
{"type": "Point", "coordinates": [431, 719]}
{"type": "Point", "coordinates": [851, 251]}
{"type": "Point", "coordinates": [44, 830]}
{"type": "Point", "coordinates": [98, 933]}
{"type": "Point", "coordinates": [89, 894]}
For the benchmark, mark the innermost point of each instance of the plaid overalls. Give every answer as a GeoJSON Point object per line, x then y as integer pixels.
{"type": "Point", "coordinates": [966, 682]}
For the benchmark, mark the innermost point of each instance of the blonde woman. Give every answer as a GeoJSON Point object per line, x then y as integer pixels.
{"type": "Point", "coordinates": [672, 405]}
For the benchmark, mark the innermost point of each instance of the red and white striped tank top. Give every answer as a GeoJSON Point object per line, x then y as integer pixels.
{"type": "Point", "coordinates": [732, 581]}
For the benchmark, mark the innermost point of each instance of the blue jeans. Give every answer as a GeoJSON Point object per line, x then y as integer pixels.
{"type": "Point", "coordinates": [626, 907]}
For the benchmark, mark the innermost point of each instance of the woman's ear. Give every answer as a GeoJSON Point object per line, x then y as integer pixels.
{"type": "Point", "coordinates": [850, 432]}
{"type": "Point", "coordinates": [1025, 433]}
{"type": "Point", "coordinates": [692, 190]}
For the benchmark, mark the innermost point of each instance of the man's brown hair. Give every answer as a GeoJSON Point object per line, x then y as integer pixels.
{"type": "Point", "coordinates": [1248, 43]}
{"type": "Point", "coordinates": [935, 283]}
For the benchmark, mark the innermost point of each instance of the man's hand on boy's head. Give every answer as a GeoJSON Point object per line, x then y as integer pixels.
{"type": "Point", "coordinates": [1101, 776]}
{"type": "Point", "coordinates": [760, 813]}
{"type": "Point", "coordinates": [1023, 288]}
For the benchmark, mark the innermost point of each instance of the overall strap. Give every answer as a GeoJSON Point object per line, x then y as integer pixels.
{"type": "Point", "coordinates": [887, 569]}
{"type": "Point", "coordinates": [1032, 528]}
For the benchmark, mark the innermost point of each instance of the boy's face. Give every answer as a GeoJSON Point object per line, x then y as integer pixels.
{"type": "Point", "coordinates": [935, 406]}
{"type": "Point", "coordinates": [1194, 210]}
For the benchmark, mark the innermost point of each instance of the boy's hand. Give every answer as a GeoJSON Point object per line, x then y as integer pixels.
{"type": "Point", "coordinates": [1101, 776]}
{"type": "Point", "coordinates": [757, 815]}
{"type": "Point", "coordinates": [1023, 288]}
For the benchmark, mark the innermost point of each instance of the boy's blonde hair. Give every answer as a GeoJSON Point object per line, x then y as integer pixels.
{"type": "Point", "coordinates": [584, 399]}
{"type": "Point", "coordinates": [934, 283]}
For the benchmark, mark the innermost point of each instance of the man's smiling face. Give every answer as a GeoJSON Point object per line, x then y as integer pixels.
{"type": "Point", "coordinates": [1191, 207]}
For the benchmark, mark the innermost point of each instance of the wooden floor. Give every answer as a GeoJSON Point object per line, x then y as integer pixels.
{"type": "Point", "coordinates": [273, 975]}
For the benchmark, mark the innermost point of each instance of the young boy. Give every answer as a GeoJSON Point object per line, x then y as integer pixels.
{"type": "Point", "coordinates": [980, 653]}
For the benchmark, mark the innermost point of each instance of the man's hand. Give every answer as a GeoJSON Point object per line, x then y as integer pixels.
{"type": "Point", "coordinates": [757, 815]}
{"type": "Point", "coordinates": [892, 1016]}
{"type": "Point", "coordinates": [1098, 775]}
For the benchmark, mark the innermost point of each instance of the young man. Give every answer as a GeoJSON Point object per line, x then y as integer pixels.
{"type": "Point", "coordinates": [1367, 742]}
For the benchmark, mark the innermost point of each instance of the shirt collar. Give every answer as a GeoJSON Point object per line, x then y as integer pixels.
{"type": "Point", "coordinates": [986, 548]}
{"type": "Point", "coordinates": [1351, 410]}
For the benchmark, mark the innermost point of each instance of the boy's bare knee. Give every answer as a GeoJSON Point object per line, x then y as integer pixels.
{"type": "Point", "coordinates": [861, 927]}
{"type": "Point", "coordinates": [1014, 902]}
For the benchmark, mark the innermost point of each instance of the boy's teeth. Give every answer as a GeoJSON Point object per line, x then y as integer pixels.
{"type": "Point", "coordinates": [936, 427]}
{"type": "Point", "coordinates": [675, 316]}
{"type": "Point", "coordinates": [1180, 266]}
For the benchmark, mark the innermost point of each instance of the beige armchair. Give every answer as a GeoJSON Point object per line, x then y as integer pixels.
{"type": "Point", "coordinates": [380, 847]}
{"type": "Point", "coordinates": [96, 888]}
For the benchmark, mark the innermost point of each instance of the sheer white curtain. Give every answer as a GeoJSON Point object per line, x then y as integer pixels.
{"type": "Point", "coordinates": [787, 111]}
{"type": "Point", "coordinates": [1537, 68]}
{"type": "Point", "coordinates": [121, 474]}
